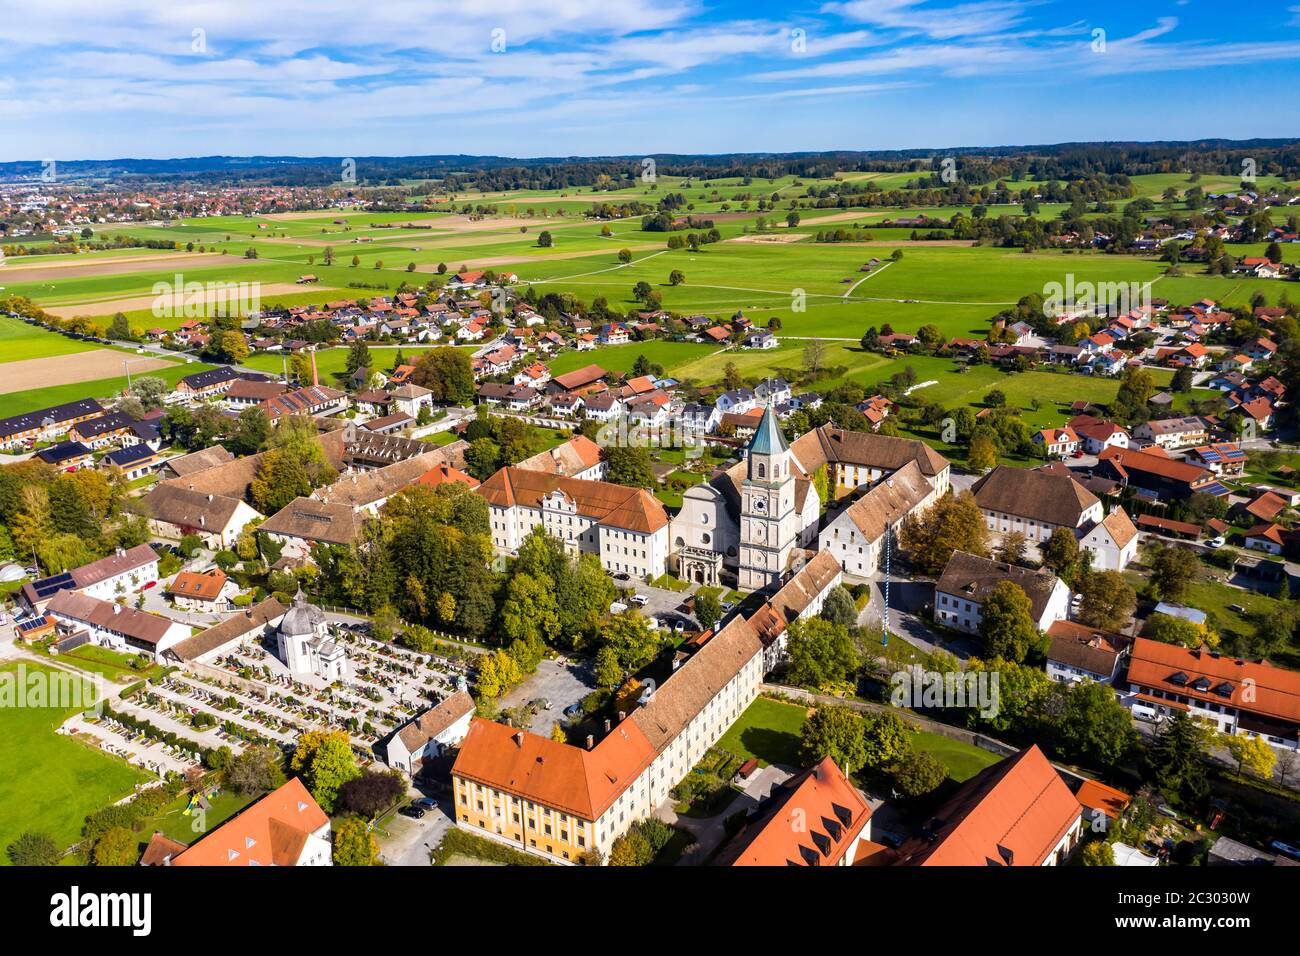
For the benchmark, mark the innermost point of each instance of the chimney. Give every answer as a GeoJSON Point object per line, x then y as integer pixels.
{"type": "Point", "coordinates": [117, 609]}
{"type": "Point", "coordinates": [315, 376]}
{"type": "Point", "coordinates": [622, 716]}
{"type": "Point", "coordinates": [606, 725]}
{"type": "Point", "coordinates": [519, 738]}
{"type": "Point", "coordinates": [591, 741]}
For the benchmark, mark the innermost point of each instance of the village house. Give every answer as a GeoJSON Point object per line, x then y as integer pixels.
{"type": "Point", "coordinates": [209, 590]}
{"type": "Point", "coordinates": [967, 579]}
{"type": "Point", "coordinates": [119, 574]}
{"type": "Point", "coordinates": [1240, 697]}
{"type": "Point", "coordinates": [114, 626]}
{"type": "Point", "coordinates": [284, 828]}
{"type": "Point", "coordinates": [1172, 432]}
{"type": "Point", "coordinates": [431, 734]}
{"type": "Point", "coordinates": [47, 423]}
{"type": "Point", "coordinates": [815, 818]}
{"type": "Point", "coordinates": [1058, 442]}
{"type": "Point", "coordinates": [1079, 653]}
{"type": "Point", "coordinates": [971, 828]}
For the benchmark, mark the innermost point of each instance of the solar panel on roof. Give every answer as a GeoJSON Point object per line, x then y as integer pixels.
{"type": "Point", "coordinates": [46, 587]}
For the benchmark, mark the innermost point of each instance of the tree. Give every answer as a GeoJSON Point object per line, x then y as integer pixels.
{"type": "Point", "coordinates": [1060, 553]}
{"type": "Point", "coordinates": [708, 609]}
{"type": "Point", "coordinates": [608, 671]}
{"type": "Point", "coordinates": [1253, 755]}
{"type": "Point", "coordinates": [1098, 853]}
{"type": "Point", "coordinates": [917, 773]}
{"type": "Point", "coordinates": [33, 848]}
{"type": "Point", "coordinates": [1108, 600]}
{"type": "Point", "coordinates": [119, 329]}
{"type": "Point", "coordinates": [630, 465]}
{"type": "Point", "coordinates": [837, 732]}
{"type": "Point", "coordinates": [1093, 725]}
{"type": "Point", "coordinates": [1006, 622]}
{"type": "Point", "coordinates": [358, 356]}
{"type": "Point", "coordinates": [354, 844]}
{"type": "Point", "coordinates": [530, 612]}
{"type": "Point", "coordinates": [544, 239]}
{"type": "Point", "coordinates": [888, 739]}
{"type": "Point", "coordinates": [371, 793]}
{"type": "Point", "coordinates": [631, 639]}
{"type": "Point", "coordinates": [1176, 630]}
{"type": "Point", "coordinates": [448, 373]}
{"type": "Point", "coordinates": [814, 356]}
{"type": "Point", "coordinates": [1175, 760]}
{"type": "Point", "coordinates": [255, 771]}
{"type": "Point", "coordinates": [625, 256]}
{"type": "Point", "coordinates": [483, 458]}
{"type": "Point", "coordinates": [1173, 571]}
{"type": "Point", "coordinates": [839, 608]}
{"type": "Point", "coordinates": [676, 277]}
{"type": "Point", "coordinates": [324, 760]}
{"type": "Point", "coordinates": [950, 524]}
{"type": "Point", "coordinates": [233, 347]}
{"type": "Point", "coordinates": [983, 454]}
{"type": "Point", "coordinates": [281, 477]}
{"type": "Point", "coordinates": [251, 431]}
{"type": "Point", "coordinates": [1012, 548]}
{"type": "Point", "coordinates": [117, 847]}
{"type": "Point", "coordinates": [821, 653]}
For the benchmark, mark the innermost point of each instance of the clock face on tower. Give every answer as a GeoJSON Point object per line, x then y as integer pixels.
{"type": "Point", "coordinates": [760, 505]}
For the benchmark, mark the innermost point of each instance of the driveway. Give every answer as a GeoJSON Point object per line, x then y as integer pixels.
{"type": "Point", "coordinates": [407, 842]}
{"type": "Point", "coordinates": [561, 684]}
{"type": "Point", "coordinates": [710, 832]}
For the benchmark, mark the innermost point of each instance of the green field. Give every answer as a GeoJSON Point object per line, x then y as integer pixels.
{"type": "Point", "coordinates": [768, 731]}
{"type": "Point", "coordinates": [962, 760]}
{"type": "Point", "coordinates": [19, 341]}
{"type": "Point", "coordinates": [50, 782]}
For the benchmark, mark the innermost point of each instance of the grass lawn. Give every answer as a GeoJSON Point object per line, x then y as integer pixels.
{"type": "Point", "coordinates": [962, 760]}
{"type": "Point", "coordinates": [50, 782]}
{"type": "Point", "coordinates": [767, 731]}
{"type": "Point", "coordinates": [108, 663]}
{"type": "Point", "coordinates": [174, 823]}
{"type": "Point", "coordinates": [18, 403]}
{"type": "Point", "coordinates": [19, 341]}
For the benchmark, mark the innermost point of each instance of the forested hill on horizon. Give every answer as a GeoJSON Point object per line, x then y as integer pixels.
{"type": "Point", "coordinates": [1280, 156]}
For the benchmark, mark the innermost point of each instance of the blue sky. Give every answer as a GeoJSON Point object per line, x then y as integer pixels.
{"type": "Point", "coordinates": [157, 78]}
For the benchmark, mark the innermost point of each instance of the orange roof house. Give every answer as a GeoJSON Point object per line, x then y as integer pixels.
{"type": "Point", "coordinates": [441, 474]}
{"type": "Point", "coordinates": [1255, 688]}
{"type": "Point", "coordinates": [813, 819]}
{"type": "Point", "coordinates": [284, 828]}
{"type": "Point", "coordinates": [195, 586]}
{"type": "Point", "coordinates": [1015, 813]}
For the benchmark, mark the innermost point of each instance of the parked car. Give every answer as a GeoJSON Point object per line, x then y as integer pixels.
{"type": "Point", "coordinates": [425, 803]}
{"type": "Point", "coordinates": [679, 627]}
{"type": "Point", "coordinates": [412, 811]}
{"type": "Point", "coordinates": [1216, 542]}
{"type": "Point", "coordinates": [573, 710]}
{"type": "Point", "coordinates": [640, 600]}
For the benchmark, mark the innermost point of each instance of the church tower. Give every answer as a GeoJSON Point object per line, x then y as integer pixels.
{"type": "Point", "coordinates": [768, 522]}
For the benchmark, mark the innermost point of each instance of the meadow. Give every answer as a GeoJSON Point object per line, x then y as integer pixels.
{"type": "Point", "coordinates": [20, 341]}
{"type": "Point", "coordinates": [49, 782]}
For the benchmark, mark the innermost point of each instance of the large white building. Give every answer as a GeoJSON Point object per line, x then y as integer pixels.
{"type": "Point", "coordinates": [856, 535]}
{"type": "Point", "coordinates": [116, 627]}
{"type": "Point", "coordinates": [1036, 503]}
{"type": "Point", "coordinates": [561, 801]}
{"type": "Point", "coordinates": [626, 527]}
{"type": "Point", "coordinates": [121, 573]}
